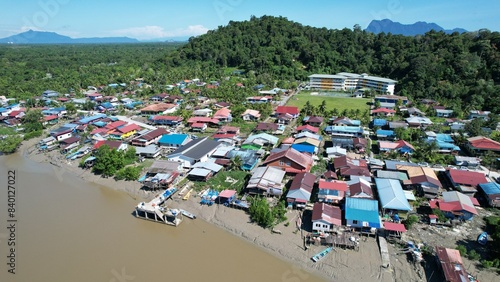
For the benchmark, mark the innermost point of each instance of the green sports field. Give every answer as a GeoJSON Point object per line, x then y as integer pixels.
{"type": "Point", "coordinates": [340, 103]}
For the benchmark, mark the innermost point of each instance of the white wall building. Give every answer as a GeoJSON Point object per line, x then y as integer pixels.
{"type": "Point", "coordinates": [345, 81]}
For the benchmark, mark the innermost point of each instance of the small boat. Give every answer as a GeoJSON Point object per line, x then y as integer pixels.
{"type": "Point", "coordinates": [321, 255]}
{"type": "Point", "coordinates": [482, 238]}
{"type": "Point", "coordinates": [188, 194]}
{"type": "Point", "coordinates": [187, 214]}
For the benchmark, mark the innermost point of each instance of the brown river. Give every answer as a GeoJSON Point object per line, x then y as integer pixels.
{"type": "Point", "coordinates": [69, 230]}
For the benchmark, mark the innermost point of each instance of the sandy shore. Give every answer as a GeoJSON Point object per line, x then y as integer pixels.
{"type": "Point", "coordinates": [340, 265]}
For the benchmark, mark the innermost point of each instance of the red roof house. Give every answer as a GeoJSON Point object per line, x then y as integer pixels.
{"type": "Point", "coordinates": [291, 110]}
{"type": "Point", "coordinates": [290, 160]}
{"type": "Point", "coordinates": [325, 217]}
{"type": "Point", "coordinates": [480, 144]}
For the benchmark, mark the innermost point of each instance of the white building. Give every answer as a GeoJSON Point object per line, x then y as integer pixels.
{"type": "Point", "coordinates": [345, 81]}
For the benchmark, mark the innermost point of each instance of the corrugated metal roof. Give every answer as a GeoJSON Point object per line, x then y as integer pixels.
{"type": "Point", "coordinates": [391, 194]}
{"type": "Point", "coordinates": [362, 210]}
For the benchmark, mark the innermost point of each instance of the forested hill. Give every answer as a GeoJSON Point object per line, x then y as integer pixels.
{"type": "Point", "coordinates": [460, 70]}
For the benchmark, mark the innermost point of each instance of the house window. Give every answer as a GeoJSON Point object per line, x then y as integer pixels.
{"type": "Point", "coordinates": [354, 222]}
{"type": "Point", "coordinates": [282, 163]}
{"type": "Point", "coordinates": [288, 163]}
{"type": "Point", "coordinates": [325, 226]}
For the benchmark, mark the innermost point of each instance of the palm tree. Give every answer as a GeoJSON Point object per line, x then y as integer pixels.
{"type": "Point", "coordinates": [236, 163]}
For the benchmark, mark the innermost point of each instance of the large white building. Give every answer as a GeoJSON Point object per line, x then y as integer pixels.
{"type": "Point", "coordinates": [345, 81]}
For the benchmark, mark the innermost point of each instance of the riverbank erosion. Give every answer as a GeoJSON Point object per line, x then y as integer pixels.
{"type": "Point", "coordinates": [346, 265]}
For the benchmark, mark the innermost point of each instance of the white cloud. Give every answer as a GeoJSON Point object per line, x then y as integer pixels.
{"type": "Point", "coordinates": [154, 31]}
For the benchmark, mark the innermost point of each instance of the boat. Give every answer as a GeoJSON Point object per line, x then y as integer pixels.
{"type": "Point", "coordinates": [187, 214]}
{"type": "Point", "coordinates": [322, 254]}
{"type": "Point", "coordinates": [482, 238]}
{"type": "Point", "coordinates": [188, 194]}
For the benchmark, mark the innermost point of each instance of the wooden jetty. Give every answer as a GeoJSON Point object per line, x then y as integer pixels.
{"type": "Point", "coordinates": [384, 252]}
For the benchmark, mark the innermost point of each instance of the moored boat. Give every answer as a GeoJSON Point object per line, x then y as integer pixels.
{"type": "Point", "coordinates": [322, 254]}
{"type": "Point", "coordinates": [188, 194]}
{"type": "Point", "coordinates": [187, 214]}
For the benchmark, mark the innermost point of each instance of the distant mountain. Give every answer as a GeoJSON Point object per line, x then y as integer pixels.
{"type": "Point", "coordinates": [417, 28]}
{"type": "Point", "coordinates": [44, 37]}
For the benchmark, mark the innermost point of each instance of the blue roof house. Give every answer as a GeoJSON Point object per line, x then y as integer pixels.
{"type": "Point", "coordinates": [249, 158]}
{"type": "Point", "coordinates": [391, 195]}
{"type": "Point", "coordinates": [491, 192]}
{"type": "Point", "coordinates": [361, 212]}
{"type": "Point", "coordinates": [385, 134]}
{"type": "Point", "coordinates": [303, 148]}
{"type": "Point", "coordinates": [174, 140]}
{"type": "Point", "coordinates": [379, 122]}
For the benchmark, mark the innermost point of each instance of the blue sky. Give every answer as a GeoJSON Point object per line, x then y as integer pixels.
{"type": "Point", "coordinates": [148, 19]}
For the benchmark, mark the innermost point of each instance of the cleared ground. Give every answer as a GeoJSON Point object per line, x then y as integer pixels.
{"type": "Point", "coordinates": [341, 103]}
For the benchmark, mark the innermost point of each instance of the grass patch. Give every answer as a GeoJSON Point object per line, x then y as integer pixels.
{"type": "Point", "coordinates": [246, 127]}
{"type": "Point", "coordinates": [6, 131]}
{"type": "Point", "coordinates": [341, 103]}
{"type": "Point", "coordinates": [218, 182]}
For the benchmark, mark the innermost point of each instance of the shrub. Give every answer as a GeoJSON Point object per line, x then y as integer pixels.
{"type": "Point", "coordinates": [462, 250]}
{"type": "Point", "coordinates": [412, 219]}
{"type": "Point", "coordinates": [33, 134]}
{"type": "Point", "coordinates": [473, 255]}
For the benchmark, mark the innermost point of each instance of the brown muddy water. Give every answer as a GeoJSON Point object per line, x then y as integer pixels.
{"type": "Point", "coordinates": [69, 230]}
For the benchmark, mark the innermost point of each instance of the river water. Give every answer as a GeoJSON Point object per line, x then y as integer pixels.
{"type": "Point", "coordinates": [69, 230]}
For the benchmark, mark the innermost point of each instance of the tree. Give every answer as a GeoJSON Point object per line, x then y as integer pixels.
{"type": "Point", "coordinates": [10, 143]}
{"type": "Point", "coordinates": [129, 173]}
{"type": "Point", "coordinates": [32, 121]}
{"type": "Point", "coordinates": [108, 161]}
{"type": "Point", "coordinates": [70, 109]}
{"type": "Point", "coordinates": [236, 163]}
{"type": "Point", "coordinates": [260, 212]}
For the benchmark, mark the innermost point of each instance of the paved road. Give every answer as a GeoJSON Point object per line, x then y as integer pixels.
{"type": "Point", "coordinates": [141, 124]}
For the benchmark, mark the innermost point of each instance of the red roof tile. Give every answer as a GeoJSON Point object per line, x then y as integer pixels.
{"type": "Point", "coordinates": [333, 185]}
{"type": "Point", "coordinates": [303, 160]}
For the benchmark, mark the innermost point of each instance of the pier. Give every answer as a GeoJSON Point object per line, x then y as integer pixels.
{"type": "Point", "coordinates": [156, 210]}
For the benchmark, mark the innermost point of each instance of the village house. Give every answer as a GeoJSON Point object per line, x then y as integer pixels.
{"type": "Point", "coordinates": [266, 181]}
{"type": "Point", "coordinates": [384, 134]}
{"type": "Point", "coordinates": [383, 112]}
{"type": "Point", "coordinates": [347, 167]}
{"type": "Point", "coordinates": [284, 119]}
{"type": "Point", "coordinates": [334, 152]}
{"type": "Point", "coordinates": [148, 138]}
{"type": "Point", "coordinates": [158, 109]}
{"type": "Point", "coordinates": [112, 144]}
{"type": "Point", "coordinates": [250, 115]}
{"type": "Point", "coordinates": [62, 133]}
{"type": "Point", "coordinates": [423, 179]}
{"type": "Point", "coordinates": [266, 127]}
{"type": "Point", "coordinates": [213, 122]}
{"type": "Point", "coordinates": [202, 171]}
{"type": "Point", "coordinates": [313, 121]}
{"type": "Point", "coordinates": [307, 128]}
{"type": "Point", "coordinates": [198, 150]}
{"type": "Point", "coordinates": [124, 132]}
{"type": "Point", "coordinates": [400, 146]}
{"type": "Point", "coordinates": [290, 160]}
{"type": "Point", "coordinates": [50, 120]}
{"type": "Point", "coordinates": [300, 190]}
{"type": "Point", "coordinates": [326, 218]}
{"type": "Point", "coordinates": [206, 112]}
{"type": "Point", "coordinates": [491, 193]}
{"type": "Point", "coordinates": [455, 205]}
{"type": "Point", "coordinates": [174, 140]}
{"type": "Point", "coordinates": [332, 192]}
{"type": "Point", "coordinates": [257, 141]}
{"type": "Point", "coordinates": [360, 188]}
{"type": "Point", "coordinates": [362, 213]}
{"type": "Point", "coordinates": [465, 181]}
{"type": "Point", "coordinates": [165, 120]}
{"type": "Point", "coordinates": [249, 158]}
{"type": "Point", "coordinates": [344, 121]}
{"type": "Point", "coordinates": [259, 99]}
{"type": "Point", "coordinates": [346, 131]}
{"type": "Point", "coordinates": [290, 110]}
{"type": "Point", "coordinates": [391, 99]}
{"type": "Point", "coordinates": [151, 151]}
{"type": "Point", "coordinates": [441, 111]}
{"type": "Point", "coordinates": [161, 174]}
{"type": "Point", "coordinates": [416, 121]}
{"type": "Point", "coordinates": [451, 264]}
{"type": "Point", "coordinates": [223, 115]}
{"type": "Point", "coordinates": [391, 196]}
{"type": "Point", "coordinates": [479, 145]}
{"type": "Point", "coordinates": [479, 114]}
